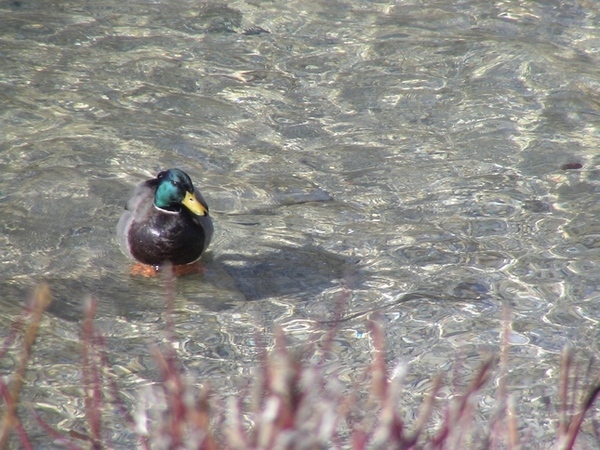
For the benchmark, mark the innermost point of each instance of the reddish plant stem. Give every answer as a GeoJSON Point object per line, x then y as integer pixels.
{"type": "Point", "coordinates": [40, 302]}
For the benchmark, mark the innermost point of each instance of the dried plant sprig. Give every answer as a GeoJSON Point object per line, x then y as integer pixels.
{"type": "Point", "coordinates": [92, 378]}
{"type": "Point", "coordinates": [293, 404]}
{"type": "Point", "coordinates": [572, 417]}
{"type": "Point", "coordinates": [39, 303]}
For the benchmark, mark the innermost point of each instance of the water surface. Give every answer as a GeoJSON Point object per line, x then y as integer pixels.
{"type": "Point", "coordinates": [425, 165]}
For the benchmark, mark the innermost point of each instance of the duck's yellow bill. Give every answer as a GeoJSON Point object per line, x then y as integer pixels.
{"type": "Point", "coordinates": [191, 202]}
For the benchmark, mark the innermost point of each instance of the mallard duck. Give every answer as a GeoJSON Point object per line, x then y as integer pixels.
{"type": "Point", "coordinates": [166, 220]}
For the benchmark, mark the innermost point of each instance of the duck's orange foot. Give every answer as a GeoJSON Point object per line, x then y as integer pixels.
{"type": "Point", "coordinates": [144, 270]}
{"type": "Point", "coordinates": [177, 271]}
{"type": "Point", "coordinates": [187, 269]}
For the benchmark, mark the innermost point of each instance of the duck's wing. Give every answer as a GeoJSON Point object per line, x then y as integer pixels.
{"type": "Point", "coordinates": [139, 205]}
{"type": "Point", "coordinates": [143, 196]}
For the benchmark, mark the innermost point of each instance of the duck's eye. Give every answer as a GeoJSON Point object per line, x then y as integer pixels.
{"type": "Point", "coordinates": [175, 183]}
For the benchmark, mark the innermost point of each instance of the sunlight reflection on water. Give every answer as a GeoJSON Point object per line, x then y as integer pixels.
{"type": "Point", "coordinates": [407, 154]}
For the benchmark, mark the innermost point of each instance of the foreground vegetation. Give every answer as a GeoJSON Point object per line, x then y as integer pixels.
{"type": "Point", "coordinates": [290, 405]}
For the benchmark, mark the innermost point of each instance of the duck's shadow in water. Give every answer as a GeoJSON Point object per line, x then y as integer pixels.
{"type": "Point", "coordinates": [295, 273]}
{"type": "Point", "coordinates": [299, 273]}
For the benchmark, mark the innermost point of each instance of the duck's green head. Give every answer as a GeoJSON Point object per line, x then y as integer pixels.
{"type": "Point", "coordinates": [175, 189]}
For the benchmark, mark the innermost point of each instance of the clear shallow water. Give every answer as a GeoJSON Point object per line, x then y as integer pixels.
{"type": "Point", "coordinates": [409, 153]}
